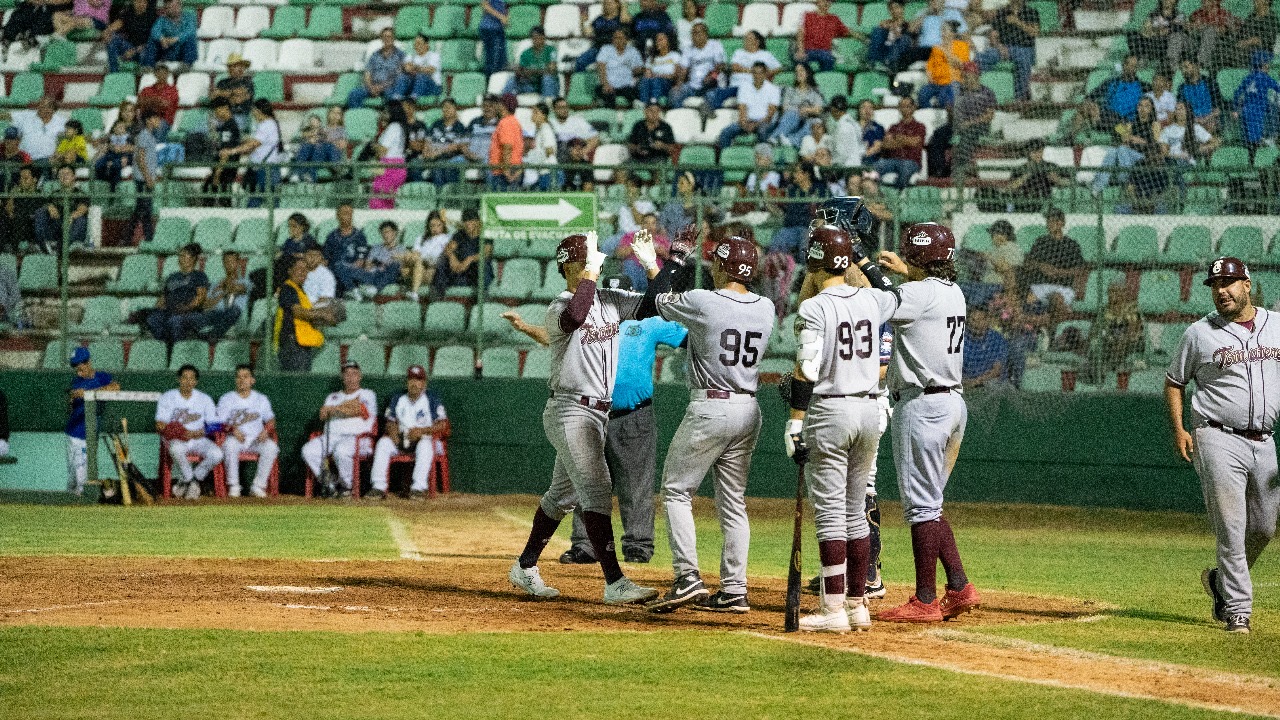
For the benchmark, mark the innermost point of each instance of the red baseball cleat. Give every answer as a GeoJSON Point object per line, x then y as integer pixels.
{"type": "Point", "coordinates": [954, 604]}
{"type": "Point", "coordinates": [913, 611]}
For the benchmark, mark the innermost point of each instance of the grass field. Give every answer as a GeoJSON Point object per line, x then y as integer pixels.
{"type": "Point", "coordinates": [66, 652]}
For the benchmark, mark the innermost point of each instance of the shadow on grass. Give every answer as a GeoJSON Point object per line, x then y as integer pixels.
{"type": "Point", "coordinates": [48, 497]}
{"type": "Point", "coordinates": [1155, 616]}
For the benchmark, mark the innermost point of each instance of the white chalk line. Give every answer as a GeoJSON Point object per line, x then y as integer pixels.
{"type": "Point", "coordinates": [297, 589]}
{"type": "Point", "coordinates": [54, 608]}
{"type": "Point", "coordinates": [404, 541]}
{"type": "Point", "coordinates": [951, 667]}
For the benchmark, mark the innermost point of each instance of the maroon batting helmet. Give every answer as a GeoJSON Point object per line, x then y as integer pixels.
{"type": "Point", "coordinates": [927, 243]}
{"type": "Point", "coordinates": [830, 249]}
{"type": "Point", "coordinates": [738, 258]}
{"type": "Point", "coordinates": [571, 249]}
{"type": "Point", "coordinates": [1227, 267]}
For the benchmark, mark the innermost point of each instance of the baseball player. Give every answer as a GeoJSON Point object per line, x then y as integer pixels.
{"type": "Point", "coordinates": [834, 425]}
{"type": "Point", "coordinates": [86, 378]}
{"type": "Point", "coordinates": [249, 422]}
{"type": "Point", "coordinates": [348, 414]}
{"type": "Point", "coordinates": [729, 329]}
{"type": "Point", "coordinates": [583, 330]}
{"type": "Point", "coordinates": [413, 421]}
{"type": "Point", "coordinates": [929, 413]}
{"type": "Point", "coordinates": [1231, 356]}
{"type": "Point", "coordinates": [181, 418]}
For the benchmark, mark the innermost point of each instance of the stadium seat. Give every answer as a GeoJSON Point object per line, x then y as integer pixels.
{"type": "Point", "coordinates": [793, 17]}
{"type": "Point", "coordinates": [608, 155]}
{"type": "Point", "coordinates": [130, 305]}
{"type": "Point", "coordinates": [253, 236]}
{"type": "Point", "coordinates": [1241, 241]}
{"type": "Point", "coordinates": [325, 22]}
{"type": "Point", "coordinates": [444, 320]}
{"type": "Point", "coordinates": [327, 361]}
{"type": "Point", "coordinates": [189, 352]}
{"type": "Point", "coordinates": [467, 88]}
{"type": "Point", "coordinates": [214, 57]}
{"type": "Point", "coordinates": [253, 326]}
{"type": "Point", "coordinates": [977, 239]}
{"type": "Point", "coordinates": [1159, 291]}
{"type": "Point", "coordinates": [921, 204]}
{"type": "Point", "coordinates": [213, 233]}
{"type": "Point", "coordinates": [759, 16]}
{"type": "Point", "coordinates": [270, 84]}
{"type": "Point", "coordinates": [361, 123]}
{"type": "Point", "coordinates": [1136, 244]}
{"type": "Point", "coordinates": [298, 55]}
{"type": "Point", "coordinates": [38, 272]}
{"type": "Point", "coordinates": [90, 118]}
{"type": "Point", "coordinates": [342, 89]}
{"type": "Point", "coordinates": [831, 84]}
{"type": "Point", "coordinates": [1188, 245]}
{"type": "Point", "coordinates": [1026, 235]}
{"type": "Point", "coordinates": [450, 21]}
{"type": "Point", "coordinates": [1001, 83]}
{"type": "Point", "coordinates": [537, 363]}
{"type": "Point", "coordinates": [227, 354]}
{"type": "Point", "coordinates": [100, 315]}
{"type": "Point", "coordinates": [850, 53]}
{"type": "Point", "coordinates": [1094, 292]}
{"type": "Point", "coordinates": [137, 275]}
{"type": "Point", "coordinates": [24, 90]}
{"type": "Point", "coordinates": [411, 20]}
{"type": "Point", "coordinates": [872, 15]}
{"type": "Point", "coordinates": [454, 361]}
{"type": "Point", "coordinates": [1043, 378]}
{"type": "Point", "coordinates": [192, 121]}
{"type": "Point", "coordinates": [521, 19]}
{"type": "Point", "coordinates": [286, 22]}
{"type": "Point", "coordinates": [58, 54]}
{"type": "Point", "coordinates": [562, 21]}
{"type": "Point", "coordinates": [401, 317]}
{"type": "Point", "coordinates": [1199, 303]}
{"type": "Point", "coordinates": [1091, 241]}
{"type": "Point", "coordinates": [552, 284]}
{"type": "Point", "coordinates": [490, 316]}
{"type": "Point", "coordinates": [864, 83]}
{"type": "Point", "coordinates": [520, 277]}
{"type": "Point", "coordinates": [251, 20]}
{"type": "Point", "coordinates": [55, 358]}
{"type": "Point", "coordinates": [361, 317]}
{"type": "Point", "coordinates": [721, 17]}
{"type": "Point", "coordinates": [783, 340]}
{"type": "Point", "coordinates": [500, 362]}
{"type": "Point", "coordinates": [107, 354]}
{"type": "Point", "coordinates": [215, 22]}
{"type": "Point", "coordinates": [372, 356]}
{"type": "Point", "coordinates": [686, 124]}
{"type": "Point", "coordinates": [1266, 156]}
{"type": "Point", "coordinates": [737, 161]}
{"type": "Point", "coordinates": [262, 54]}
{"type": "Point", "coordinates": [1229, 79]}
{"type": "Point", "coordinates": [1048, 11]}
{"type": "Point", "coordinates": [405, 356]}
{"type": "Point", "coordinates": [458, 56]}
{"type": "Point", "coordinates": [1230, 156]}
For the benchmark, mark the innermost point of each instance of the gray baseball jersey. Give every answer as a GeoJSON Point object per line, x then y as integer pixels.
{"type": "Point", "coordinates": [1236, 371]}
{"type": "Point", "coordinates": [585, 361]}
{"type": "Point", "coordinates": [728, 334]}
{"type": "Point", "coordinates": [848, 321]}
{"type": "Point", "coordinates": [928, 323]}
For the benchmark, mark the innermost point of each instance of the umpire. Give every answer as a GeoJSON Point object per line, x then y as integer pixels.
{"type": "Point", "coordinates": [631, 440]}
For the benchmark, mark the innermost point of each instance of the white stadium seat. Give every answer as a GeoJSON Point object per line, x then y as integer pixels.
{"type": "Point", "coordinates": [192, 88]}
{"type": "Point", "coordinates": [298, 55]}
{"type": "Point", "coordinates": [261, 53]}
{"type": "Point", "coordinates": [216, 21]}
{"type": "Point", "coordinates": [1091, 157]}
{"type": "Point", "coordinates": [761, 17]}
{"type": "Point", "coordinates": [1060, 156]}
{"type": "Point", "coordinates": [723, 118]}
{"type": "Point", "coordinates": [251, 20]}
{"type": "Point", "coordinates": [793, 17]}
{"type": "Point", "coordinates": [609, 155]}
{"type": "Point", "coordinates": [563, 21]}
{"type": "Point", "coordinates": [216, 53]}
{"type": "Point", "coordinates": [686, 124]}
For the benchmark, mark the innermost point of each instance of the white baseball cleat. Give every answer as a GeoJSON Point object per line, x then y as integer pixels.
{"type": "Point", "coordinates": [258, 492]}
{"type": "Point", "coordinates": [829, 618]}
{"type": "Point", "coordinates": [233, 491]}
{"type": "Point", "coordinates": [624, 592]}
{"type": "Point", "coordinates": [530, 581]}
{"type": "Point", "coordinates": [193, 490]}
{"type": "Point", "coordinates": [858, 612]}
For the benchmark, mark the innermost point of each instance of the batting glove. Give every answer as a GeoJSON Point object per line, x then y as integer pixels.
{"type": "Point", "coordinates": [684, 243]}
{"type": "Point", "coordinates": [796, 449]}
{"type": "Point", "coordinates": [646, 254]}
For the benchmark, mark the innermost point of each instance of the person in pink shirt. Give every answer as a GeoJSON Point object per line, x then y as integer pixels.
{"type": "Point", "coordinates": [632, 267]}
{"type": "Point", "coordinates": [84, 15]}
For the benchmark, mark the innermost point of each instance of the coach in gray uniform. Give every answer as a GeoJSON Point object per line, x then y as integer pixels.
{"type": "Point", "coordinates": [1231, 355]}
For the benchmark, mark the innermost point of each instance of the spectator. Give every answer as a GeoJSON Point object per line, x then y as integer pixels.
{"type": "Point", "coordinates": [177, 314]}
{"type": "Point", "coordinates": [758, 104]}
{"type": "Point", "coordinates": [506, 149]}
{"type": "Point", "coordinates": [1020, 318]}
{"type": "Point", "coordinates": [173, 37]}
{"type": "Point", "coordinates": [1255, 104]}
{"type": "Point", "coordinates": [350, 416]}
{"type": "Point", "coordinates": [985, 351]}
{"type": "Point", "coordinates": [1162, 97]}
{"type": "Point", "coordinates": [617, 65]}
{"type": "Point", "coordinates": [10, 298]}
{"type": "Point", "coordinates": [297, 239]}
{"type": "Point", "coordinates": [345, 248]}
{"type": "Point", "coordinates": [250, 424]}
{"type": "Point", "coordinates": [320, 286]}
{"type": "Point", "coordinates": [314, 150]}
{"type": "Point", "coordinates": [225, 140]}
{"type": "Point", "coordinates": [1001, 263]}
{"type": "Point", "coordinates": [459, 266]}
{"type": "Point", "coordinates": [30, 21]}
{"type": "Point", "coordinates": [928, 27]}
{"type": "Point", "coordinates": [417, 142]}
{"type": "Point", "coordinates": [902, 146]}
{"type": "Point", "coordinates": [974, 110]}
{"type": "Point", "coordinates": [1185, 140]}
{"type": "Point", "coordinates": [635, 206]}
{"type": "Point", "coordinates": [1201, 95]}
{"type": "Point", "coordinates": [816, 142]}
{"type": "Point", "coordinates": [945, 61]}
{"type": "Point", "coordinates": [1055, 266]}
{"type": "Point", "coordinates": [569, 126]}
{"type": "Point", "coordinates": [1137, 140]}
{"type": "Point", "coordinates": [613, 15]}
{"type": "Point", "coordinates": [790, 241]}
{"type": "Point", "coordinates": [1162, 37]}
{"type": "Point", "coordinates": [1032, 184]}
{"type": "Point", "coordinates": [681, 210]}
{"type": "Point", "coordinates": [701, 64]}
{"type": "Point", "coordinates": [881, 215]}
{"type": "Point", "coordinates": [83, 15]}
{"type": "Point", "coordinates": [162, 97]}
{"type": "Point", "coordinates": [800, 104]}
{"type": "Point", "coordinates": [630, 266]}
{"type": "Point", "coordinates": [12, 156]}
{"type": "Point", "coordinates": [764, 180]}
{"type": "Point", "coordinates": [1257, 33]}
{"type": "Point", "coordinates": [40, 129]}
{"type": "Point", "coordinates": [537, 70]}
{"type": "Point", "coordinates": [421, 75]}
{"type": "Point", "coordinates": [649, 23]}
{"type": "Point", "coordinates": [937, 150]}
{"type": "Point", "coordinates": [659, 70]}
{"type": "Point", "coordinates": [543, 151]}
{"type": "Point", "coordinates": [86, 378]}
{"type": "Point", "coordinates": [448, 143]}
{"type": "Point", "coordinates": [266, 153]}
{"type": "Point", "coordinates": [1114, 337]}
{"type": "Point", "coordinates": [389, 148]}
{"type": "Point", "coordinates": [1208, 24]}
{"type": "Point", "coordinates": [146, 175]}
{"type": "Point", "coordinates": [651, 139]}
{"type": "Point", "coordinates": [1118, 97]}
{"type": "Point", "coordinates": [73, 148]}
{"type": "Point", "coordinates": [1014, 29]}
{"type": "Point", "coordinates": [1086, 126]}
{"type": "Point", "coordinates": [48, 220]}
{"type": "Point", "coordinates": [817, 32]}
{"type": "Point", "coordinates": [890, 39]}
{"type": "Point", "coordinates": [127, 36]}
{"type": "Point", "coordinates": [22, 206]}
{"type": "Point", "coordinates": [128, 112]}
{"type": "Point", "coordinates": [684, 26]}
{"type": "Point", "coordinates": [385, 258]}
{"type": "Point", "coordinates": [226, 302]}
{"type": "Point", "coordinates": [294, 336]}
{"type": "Point", "coordinates": [578, 179]}
{"type": "Point", "coordinates": [413, 422]}
{"type": "Point", "coordinates": [742, 69]}
{"type": "Point", "coordinates": [237, 87]}
{"type": "Point", "coordinates": [381, 73]}
{"type": "Point", "coordinates": [335, 131]}
{"type": "Point", "coordinates": [426, 253]}
{"type": "Point", "coordinates": [849, 136]}
{"type": "Point", "coordinates": [493, 35]}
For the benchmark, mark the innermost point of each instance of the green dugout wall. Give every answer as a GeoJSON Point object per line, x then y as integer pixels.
{"type": "Point", "coordinates": [1100, 450]}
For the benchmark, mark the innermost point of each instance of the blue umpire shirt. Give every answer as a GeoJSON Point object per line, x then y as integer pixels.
{"type": "Point", "coordinates": [75, 423]}
{"type": "Point", "coordinates": [636, 353]}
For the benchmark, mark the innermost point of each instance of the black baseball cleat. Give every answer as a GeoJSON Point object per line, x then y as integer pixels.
{"type": "Point", "coordinates": [686, 589]}
{"type": "Point", "coordinates": [875, 585]}
{"type": "Point", "coordinates": [1209, 580]}
{"type": "Point", "coordinates": [577, 556]}
{"type": "Point", "coordinates": [1238, 623]}
{"type": "Point", "coordinates": [635, 556]}
{"type": "Point", "coordinates": [376, 495]}
{"type": "Point", "coordinates": [724, 602]}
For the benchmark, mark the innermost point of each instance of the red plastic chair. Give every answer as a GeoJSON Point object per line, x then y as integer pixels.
{"type": "Point", "coordinates": [438, 474]}
{"type": "Point", "coordinates": [166, 473]}
{"type": "Point", "coordinates": [309, 486]}
{"type": "Point", "coordinates": [273, 480]}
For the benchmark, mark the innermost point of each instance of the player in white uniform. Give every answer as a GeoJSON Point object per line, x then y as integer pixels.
{"type": "Point", "coordinates": [413, 421]}
{"type": "Point", "coordinates": [348, 415]}
{"type": "Point", "coordinates": [729, 329]}
{"type": "Point", "coordinates": [1231, 356]}
{"type": "Point", "coordinates": [181, 415]}
{"type": "Point", "coordinates": [582, 327]}
{"type": "Point", "coordinates": [249, 422]}
{"type": "Point", "coordinates": [834, 427]}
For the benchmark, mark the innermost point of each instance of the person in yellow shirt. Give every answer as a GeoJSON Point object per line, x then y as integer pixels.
{"type": "Point", "coordinates": [943, 67]}
{"type": "Point", "coordinates": [72, 148]}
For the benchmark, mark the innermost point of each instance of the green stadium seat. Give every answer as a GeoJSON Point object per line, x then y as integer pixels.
{"type": "Point", "coordinates": [325, 22]}
{"type": "Point", "coordinates": [454, 361]}
{"type": "Point", "coordinates": [1159, 291]}
{"type": "Point", "coordinates": [448, 21]}
{"type": "Point", "coordinates": [552, 283]}
{"type": "Point", "coordinates": [698, 155]}
{"type": "Point", "coordinates": [189, 352]}
{"type": "Point", "coordinates": [1199, 303]}
{"type": "Point", "coordinates": [1091, 241]}
{"type": "Point", "coordinates": [361, 318]}
{"type": "Point", "coordinates": [1001, 83]}
{"type": "Point", "coordinates": [673, 370]}
{"type": "Point", "coordinates": [401, 317]}
{"type": "Point", "coordinates": [1229, 79]}
{"type": "Point", "coordinates": [782, 342]}
{"type": "Point", "coordinates": [504, 248]}
{"type": "Point", "coordinates": [537, 363]}
{"type": "Point", "coordinates": [500, 362]}
{"type": "Point", "coordinates": [1188, 245]}
{"type": "Point", "coordinates": [1136, 244]}
{"type": "Point", "coordinates": [1230, 156]}
{"type": "Point", "coordinates": [467, 88]}
{"type": "Point", "coordinates": [1049, 20]}
{"type": "Point", "coordinates": [445, 320]}
{"type": "Point", "coordinates": [213, 233]}
{"type": "Point", "coordinates": [38, 272]}
{"type": "Point", "coordinates": [863, 85]}
{"type": "Point", "coordinates": [582, 89]}
{"type": "Point", "coordinates": [253, 236]}
{"type": "Point", "coordinates": [1095, 290]}
{"type": "Point", "coordinates": [848, 13]}
{"type": "Point", "coordinates": [1273, 250]}
{"type": "Point", "coordinates": [137, 275]}
{"type": "Point", "coordinates": [788, 79]}
{"type": "Point", "coordinates": [731, 45]}
{"type": "Point", "coordinates": [1043, 379]}
{"type": "Point", "coordinates": [495, 327]}
{"type": "Point", "coordinates": [54, 358]}
{"type": "Point", "coordinates": [872, 15]}
{"type": "Point", "coordinates": [342, 89]}
{"type": "Point", "coordinates": [24, 90]}
{"type": "Point", "coordinates": [1266, 156]}
{"type": "Point", "coordinates": [416, 196]}
{"type": "Point", "coordinates": [361, 123]}
{"type": "Point", "coordinates": [170, 234]}
{"type": "Point", "coordinates": [1267, 283]}
{"type": "Point", "coordinates": [327, 361]}
{"type": "Point", "coordinates": [850, 53]}
{"type": "Point", "coordinates": [227, 354]}
{"type": "Point", "coordinates": [921, 204]}
{"type": "Point", "coordinates": [1170, 335]}
{"type": "Point", "coordinates": [405, 356]}
{"type": "Point", "coordinates": [977, 238]}
{"type": "Point", "coordinates": [721, 17]}
{"type": "Point", "coordinates": [371, 356]}
{"type": "Point", "coordinates": [147, 354]}
{"type": "Point", "coordinates": [100, 315]}
{"type": "Point", "coordinates": [831, 84]}
{"type": "Point", "coordinates": [268, 84]}
{"type": "Point", "coordinates": [130, 305]}
{"type": "Point", "coordinates": [57, 55]}
{"type": "Point", "coordinates": [107, 354]}
{"type": "Point", "coordinates": [410, 21]}
{"type": "Point", "coordinates": [115, 87]}
{"type": "Point", "coordinates": [737, 161]}
{"type": "Point", "coordinates": [520, 277]}
{"type": "Point", "coordinates": [192, 120]}
{"type": "Point", "coordinates": [1241, 241]}
{"type": "Point", "coordinates": [458, 56]}
{"type": "Point", "coordinates": [521, 20]}
{"type": "Point", "coordinates": [1203, 200]}
{"type": "Point", "coordinates": [90, 118]}
{"type": "Point", "coordinates": [287, 21]}
{"type": "Point", "coordinates": [1026, 235]}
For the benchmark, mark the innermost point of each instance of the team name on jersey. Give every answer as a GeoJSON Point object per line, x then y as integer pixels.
{"type": "Point", "coordinates": [185, 416]}
{"type": "Point", "coordinates": [1225, 357]}
{"type": "Point", "coordinates": [592, 334]}
{"type": "Point", "coordinates": [241, 417]}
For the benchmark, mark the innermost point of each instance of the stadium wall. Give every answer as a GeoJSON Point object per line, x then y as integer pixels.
{"type": "Point", "coordinates": [1085, 450]}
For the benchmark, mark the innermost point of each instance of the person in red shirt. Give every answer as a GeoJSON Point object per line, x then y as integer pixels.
{"type": "Point", "coordinates": [161, 98]}
{"type": "Point", "coordinates": [12, 157]}
{"type": "Point", "coordinates": [902, 147]}
{"type": "Point", "coordinates": [506, 149]}
{"type": "Point", "coordinates": [816, 34]}
{"type": "Point", "coordinates": [1207, 24]}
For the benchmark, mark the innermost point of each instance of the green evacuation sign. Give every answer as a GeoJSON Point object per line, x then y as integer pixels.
{"type": "Point", "coordinates": [537, 216]}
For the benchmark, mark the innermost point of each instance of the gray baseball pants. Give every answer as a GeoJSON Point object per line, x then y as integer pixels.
{"type": "Point", "coordinates": [631, 452]}
{"type": "Point", "coordinates": [580, 477]}
{"type": "Point", "coordinates": [926, 432]}
{"type": "Point", "coordinates": [842, 435]}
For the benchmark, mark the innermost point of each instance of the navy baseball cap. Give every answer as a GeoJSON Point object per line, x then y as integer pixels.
{"type": "Point", "coordinates": [81, 355]}
{"type": "Point", "coordinates": [12, 133]}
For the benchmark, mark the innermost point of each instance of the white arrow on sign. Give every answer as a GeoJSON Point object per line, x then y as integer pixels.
{"type": "Point", "coordinates": [562, 212]}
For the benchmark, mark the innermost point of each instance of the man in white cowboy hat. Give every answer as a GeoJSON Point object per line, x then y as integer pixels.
{"type": "Point", "coordinates": [237, 88]}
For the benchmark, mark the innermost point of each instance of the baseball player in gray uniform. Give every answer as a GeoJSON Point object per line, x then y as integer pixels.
{"type": "Point", "coordinates": [835, 423]}
{"type": "Point", "coordinates": [729, 329]}
{"type": "Point", "coordinates": [1231, 356]}
{"type": "Point", "coordinates": [582, 328]}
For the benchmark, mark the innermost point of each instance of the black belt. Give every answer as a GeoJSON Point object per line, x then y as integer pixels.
{"type": "Point", "coordinates": [869, 396]}
{"type": "Point", "coordinates": [590, 402]}
{"type": "Point", "coordinates": [931, 390]}
{"type": "Point", "coordinates": [1254, 435]}
{"type": "Point", "coordinates": [623, 412]}
{"type": "Point", "coordinates": [724, 394]}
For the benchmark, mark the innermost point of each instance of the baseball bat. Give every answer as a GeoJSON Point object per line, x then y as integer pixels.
{"type": "Point", "coordinates": [792, 622]}
{"type": "Point", "coordinates": [123, 460]}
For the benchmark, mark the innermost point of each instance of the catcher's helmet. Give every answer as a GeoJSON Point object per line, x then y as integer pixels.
{"type": "Point", "coordinates": [830, 249]}
{"type": "Point", "coordinates": [1227, 267]}
{"type": "Point", "coordinates": [848, 214]}
{"type": "Point", "coordinates": [571, 249]}
{"type": "Point", "coordinates": [737, 257]}
{"type": "Point", "coordinates": [926, 243]}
